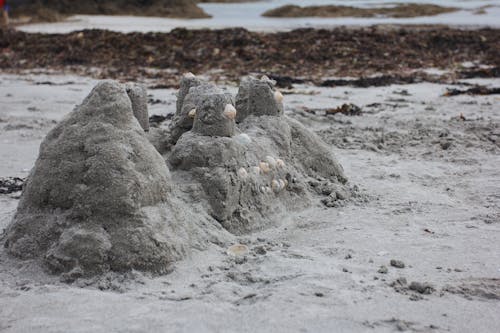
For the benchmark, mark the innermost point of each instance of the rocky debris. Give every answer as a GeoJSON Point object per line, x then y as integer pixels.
{"type": "Point", "coordinates": [101, 198]}
{"type": "Point", "coordinates": [375, 81]}
{"type": "Point", "coordinates": [396, 11]}
{"type": "Point", "coordinates": [397, 263]}
{"type": "Point", "coordinates": [284, 81]}
{"type": "Point", "coordinates": [52, 11]}
{"type": "Point", "coordinates": [10, 185]}
{"type": "Point", "coordinates": [422, 288]}
{"type": "Point", "coordinates": [156, 120]}
{"type": "Point", "coordinates": [237, 52]}
{"type": "Point", "coordinates": [400, 325]}
{"type": "Point", "coordinates": [383, 270]}
{"type": "Point", "coordinates": [476, 90]}
{"type": "Point", "coordinates": [485, 289]}
{"type": "Point", "coordinates": [415, 289]}
{"type": "Point", "coordinates": [347, 109]}
{"type": "Point", "coordinates": [399, 283]}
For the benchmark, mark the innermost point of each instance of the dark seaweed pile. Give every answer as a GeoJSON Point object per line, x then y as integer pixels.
{"type": "Point", "coordinates": [303, 54]}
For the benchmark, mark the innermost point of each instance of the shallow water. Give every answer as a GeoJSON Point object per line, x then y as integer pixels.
{"type": "Point", "coordinates": [249, 15]}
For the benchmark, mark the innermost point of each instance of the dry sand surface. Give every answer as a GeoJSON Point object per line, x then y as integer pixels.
{"type": "Point", "coordinates": [426, 167]}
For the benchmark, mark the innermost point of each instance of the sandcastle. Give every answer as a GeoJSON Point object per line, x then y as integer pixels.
{"type": "Point", "coordinates": [102, 198]}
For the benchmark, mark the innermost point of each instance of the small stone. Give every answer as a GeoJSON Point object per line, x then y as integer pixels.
{"type": "Point", "coordinates": [383, 270]}
{"type": "Point", "coordinates": [397, 263]}
{"type": "Point", "coordinates": [260, 250]}
{"type": "Point", "coordinates": [401, 281]}
{"type": "Point", "coordinates": [422, 288]}
{"type": "Point", "coordinates": [445, 145]}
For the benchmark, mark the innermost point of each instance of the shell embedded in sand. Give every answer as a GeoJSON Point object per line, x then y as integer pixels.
{"type": "Point", "coordinates": [242, 172]}
{"type": "Point", "coordinates": [237, 250]}
{"type": "Point", "coordinates": [189, 75]}
{"type": "Point", "coordinates": [268, 189]}
{"type": "Point", "coordinates": [243, 139]}
{"type": "Point", "coordinates": [271, 161]}
{"type": "Point", "coordinates": [230, 111]}
{"type": "Point", "coordinates": [278, 96]}
{"type": "Point", "coordinates": [264, 167]}
{"type": "Point", "coordinates": [192, 113]}
{"type": "Point", "coordinates": [278, 185]}
{"type": "Point", "coordinates": [280, 163]}
{"type": "Point", "coordinates": [275, 185]}
{"type": "Point", "coordinates": [256, 170]}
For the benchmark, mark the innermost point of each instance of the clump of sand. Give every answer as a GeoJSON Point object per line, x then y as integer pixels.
{"type": "Point", "coordinates": [102, 198]}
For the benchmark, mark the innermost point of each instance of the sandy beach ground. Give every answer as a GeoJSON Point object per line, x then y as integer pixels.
{"type": "Point", "coordinates": [427, 169]}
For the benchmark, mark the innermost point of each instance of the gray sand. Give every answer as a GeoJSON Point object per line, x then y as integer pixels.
{"type": "Point", "coordinates": [428, 184]}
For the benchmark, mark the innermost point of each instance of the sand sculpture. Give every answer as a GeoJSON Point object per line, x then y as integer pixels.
{"type": "Point", "coordinates": [102, 198]}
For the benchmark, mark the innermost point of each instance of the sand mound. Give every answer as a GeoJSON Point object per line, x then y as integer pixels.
{"type": "Point", "coordinates": [97, 198]}
{"type": "Point", "coordinates": [101, 197]}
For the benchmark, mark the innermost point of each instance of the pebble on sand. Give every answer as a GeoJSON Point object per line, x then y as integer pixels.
{"type": "Point", "coordinates": [383, 270]}
{"type": "Point", "coordinates": [397, 263]}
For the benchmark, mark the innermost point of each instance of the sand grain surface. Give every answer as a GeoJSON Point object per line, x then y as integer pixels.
{"type": "Point", "coordinates": [427, 170]}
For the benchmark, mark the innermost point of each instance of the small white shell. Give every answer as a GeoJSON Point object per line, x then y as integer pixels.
{"type": "Point", "coordinates": [280, 163]}
{"type": "Point", "coordinates": [265, 78]}
{"type": "Point", "coordinates": [268, 189]}
{"type": "Point", "coordinates": [263, 189]}
{"type": "Point", "coordinates": [237, 250]}
{"type": "Point", "coordinates": [189, 75]}
{"type": "Point", "coordinates": [278, 96]}
{"type": "Point", "coordinates": [243, 139]}
{"type": "Point", "coordinates": [242, 173]}
{"type": "Point", "coordinates": [264, 167]}
{"type": "Point", "coordinates": [282, 184]}
{"type": "Point", "coordinates": [230, 111]}
{"type": "Point", "coordinates": [271, 161]}
{"type": "Point", "coordinates": [256, 170]}
{"type": "Point", "coordinates": [285, 182]}
{"type": "Point", "coordinates": [192, 113]}
{"type": "Point", "coordinates": [275, 185]}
